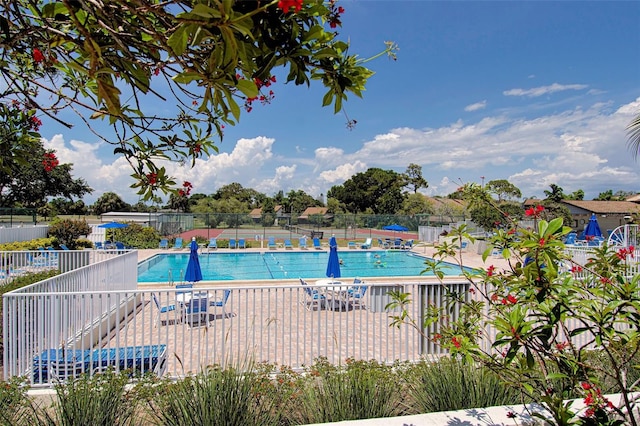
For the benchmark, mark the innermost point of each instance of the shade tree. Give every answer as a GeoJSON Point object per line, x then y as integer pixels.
{"type": "Point", "coordinates": [413, 178]}
{"type": "Point", "coordinates": [376, 190]}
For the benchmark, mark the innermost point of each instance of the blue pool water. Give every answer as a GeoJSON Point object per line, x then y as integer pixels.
{"type": "Point", "coordinates": [285, 265]}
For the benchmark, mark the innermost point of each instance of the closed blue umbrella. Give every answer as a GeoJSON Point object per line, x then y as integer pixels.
{"type": "Point", "coordinates": [333, 266]}
{"type": "Point", "coordinates": [113, 225]}
{"type": "Point", "coordinates": [193, 272]}
{"type": "Point", "coordinates": [593, 228]}
{"type": "Point", "coordinates": [396, 227]}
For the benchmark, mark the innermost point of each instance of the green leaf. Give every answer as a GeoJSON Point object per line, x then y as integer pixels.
{"type": "Point", "coordinates": [205, 11]}
{"type": "Point", "coordinates": [178, 40]}
{"type": "Point", "coordinates": [248, 88]}
{"type": "Point", "coordinates": [186, 77]}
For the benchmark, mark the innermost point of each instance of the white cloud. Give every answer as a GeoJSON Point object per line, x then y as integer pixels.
{"type": "Point", "coordinates": [476, 107]}
{"type": "Point", "coordinates": [342, 172]}
{"type": "Point", "coordinates": [544, 90]}
{"type": "Point", "coordinates": [580, 148]}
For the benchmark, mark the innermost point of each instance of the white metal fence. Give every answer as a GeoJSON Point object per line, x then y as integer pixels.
{"type": "Point", "coordinates": [79, 329]}
{"type": "Point", "coordinates": [23, 233]}
{"type": "Point", "coordinates": [16, 263]}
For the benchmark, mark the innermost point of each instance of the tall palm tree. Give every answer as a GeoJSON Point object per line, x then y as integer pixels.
{"type": "Point", "coordinates": [634, 135]}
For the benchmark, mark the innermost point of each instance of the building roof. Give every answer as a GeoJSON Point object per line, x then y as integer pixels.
{"type": "Point", "coordinates": [605, 207]}
{"type": "Point", "coordinates": [256, 213]}
{"type": "Point", "coordinates": [310, 211]}
{"type": "Point", "coordinates": [634, 199]}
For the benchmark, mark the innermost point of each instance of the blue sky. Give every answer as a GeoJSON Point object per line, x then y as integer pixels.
{"type": "Point", "coordinates": [533, 92]}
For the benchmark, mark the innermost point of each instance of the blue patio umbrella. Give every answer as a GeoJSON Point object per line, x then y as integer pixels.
{"type": "Point", "coordinates": [113, 225]}
{"type": "Point", "coordinates": [333, 266]}
{"type": "Point", "coordinates": [193, 272]}
{"type": "Point", "coordinates": [395, 227]}
{"type": "Point", "coordinates": [593, 228]}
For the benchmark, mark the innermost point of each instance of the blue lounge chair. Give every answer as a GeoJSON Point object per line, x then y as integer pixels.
{"type": "Point", "coordinates": [213, 244]}
{"type": "Point", "coordinates": [178, 244]}
{"type": "Point", "coordinates": [220, 303]}
{"type": "Point", "coordinates": [287, 244]}
{"type": "Point", "coordinates": [120, 246]}
{"type": "Point", "coordinates": [61, 364]}
{"type": "Point", "coordinates": [164, 244]}
{"type": "Point", "coordinates": [64, 247]}
{"type": "Point", "coordinates": [98, 245]}
{"type": "Point", "coordinates": [302, 243]}
{"type": "Point", "coordinates": [232, 243]}
{"type": "Point", "coordinates": [356, 293]}
{"type": "Point", "coordinates": [241, 243]}
{"type": "Point", "coordinates": [162, 309]}
{"type": "Point", "coordinates": [383, 244]}
{"type": "Point", "coordinates": [351, 245]}
{"type": "Point", "coordinates": [316, 244]}
{"type": "Point", "coordinates": [366, 244]}
{"type": "Point", "coordinates": [196, 309]}
{"type": "Point", "coordinates": [143, 359]}
{"type": "Point", "coordinates": [313, 296]}
{"type": "Point", "coordinates": [272, 243]}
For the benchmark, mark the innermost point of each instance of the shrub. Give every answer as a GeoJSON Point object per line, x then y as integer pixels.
{"type": "Point", "coordinates": [451, 384]}
{"type": "Point", "coordinates": [137, 236]}
{"type": "Point", "coordinates": [103, 399]}
{"type": "Point", "coordinates": [359, 390]}
{"type": "Point", "coordinates": [215, 397]}
{"type": "Point", "coordinates": [15, 405]}
{"type": "Point", "coordinates": [67, 231]}
{"type": "Point", "coordinates": [27, 245]}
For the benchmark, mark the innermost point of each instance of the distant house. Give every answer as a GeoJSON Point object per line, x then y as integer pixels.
{"type": "Point", "coordinates": [634, 199]}
{"type": "Point", "coordinates": [610, 214]}
{"type": "Point", "coordinates": [312, 213]}
{"type": "Point", "coordinates": [256, 214]}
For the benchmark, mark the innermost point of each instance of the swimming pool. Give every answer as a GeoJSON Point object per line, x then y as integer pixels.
{"type": "Point", "coordinates": [285, 265]}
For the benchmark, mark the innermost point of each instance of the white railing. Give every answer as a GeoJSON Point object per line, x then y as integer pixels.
{"type": "Point", "coordinates": [277, 324]}
{"type": "Point", "coordinates": [23, 233]}
{"type": "Point", "coordinates": [17, 263]}
{"type": "Point", "coordinates": [581, 255]}
{"type": "Point", "coordinates": [64, 308]}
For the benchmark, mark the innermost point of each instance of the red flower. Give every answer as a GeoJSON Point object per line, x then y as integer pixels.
{"type": "Point", "coordinates": [534, 211]}
{"type": "Point", "coordinates": [38, 56]}
{"type": "Point", "coordinates": [511, 415]}
{"type": "Point", "coordinates": [586, 385]}
{"type": "Point", "coordinates": [152, 178]}
{"type": "Point", "coordinates": [285, 5]}
{"type": "Point", "coordinates": [494, 297]}
{"type": "Point", "coordinates": [181, 192]}
{"type": "Point", "coordinates": [49, 161]}
{"type": "Point", "coordinates": [509, 300]}
{"type": "Point", "coordinates": [456, 342]}
{"type": "Point", "coordinates": [35, 123]}
{"type": "Point", "coordinates": [542, 241]}
{"type": "Point", "coordinates": [490, 270]}
{"type": "Point", "coordinates": [575, 269]}
{"type": "Point", "coordinates": [562, 346]}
